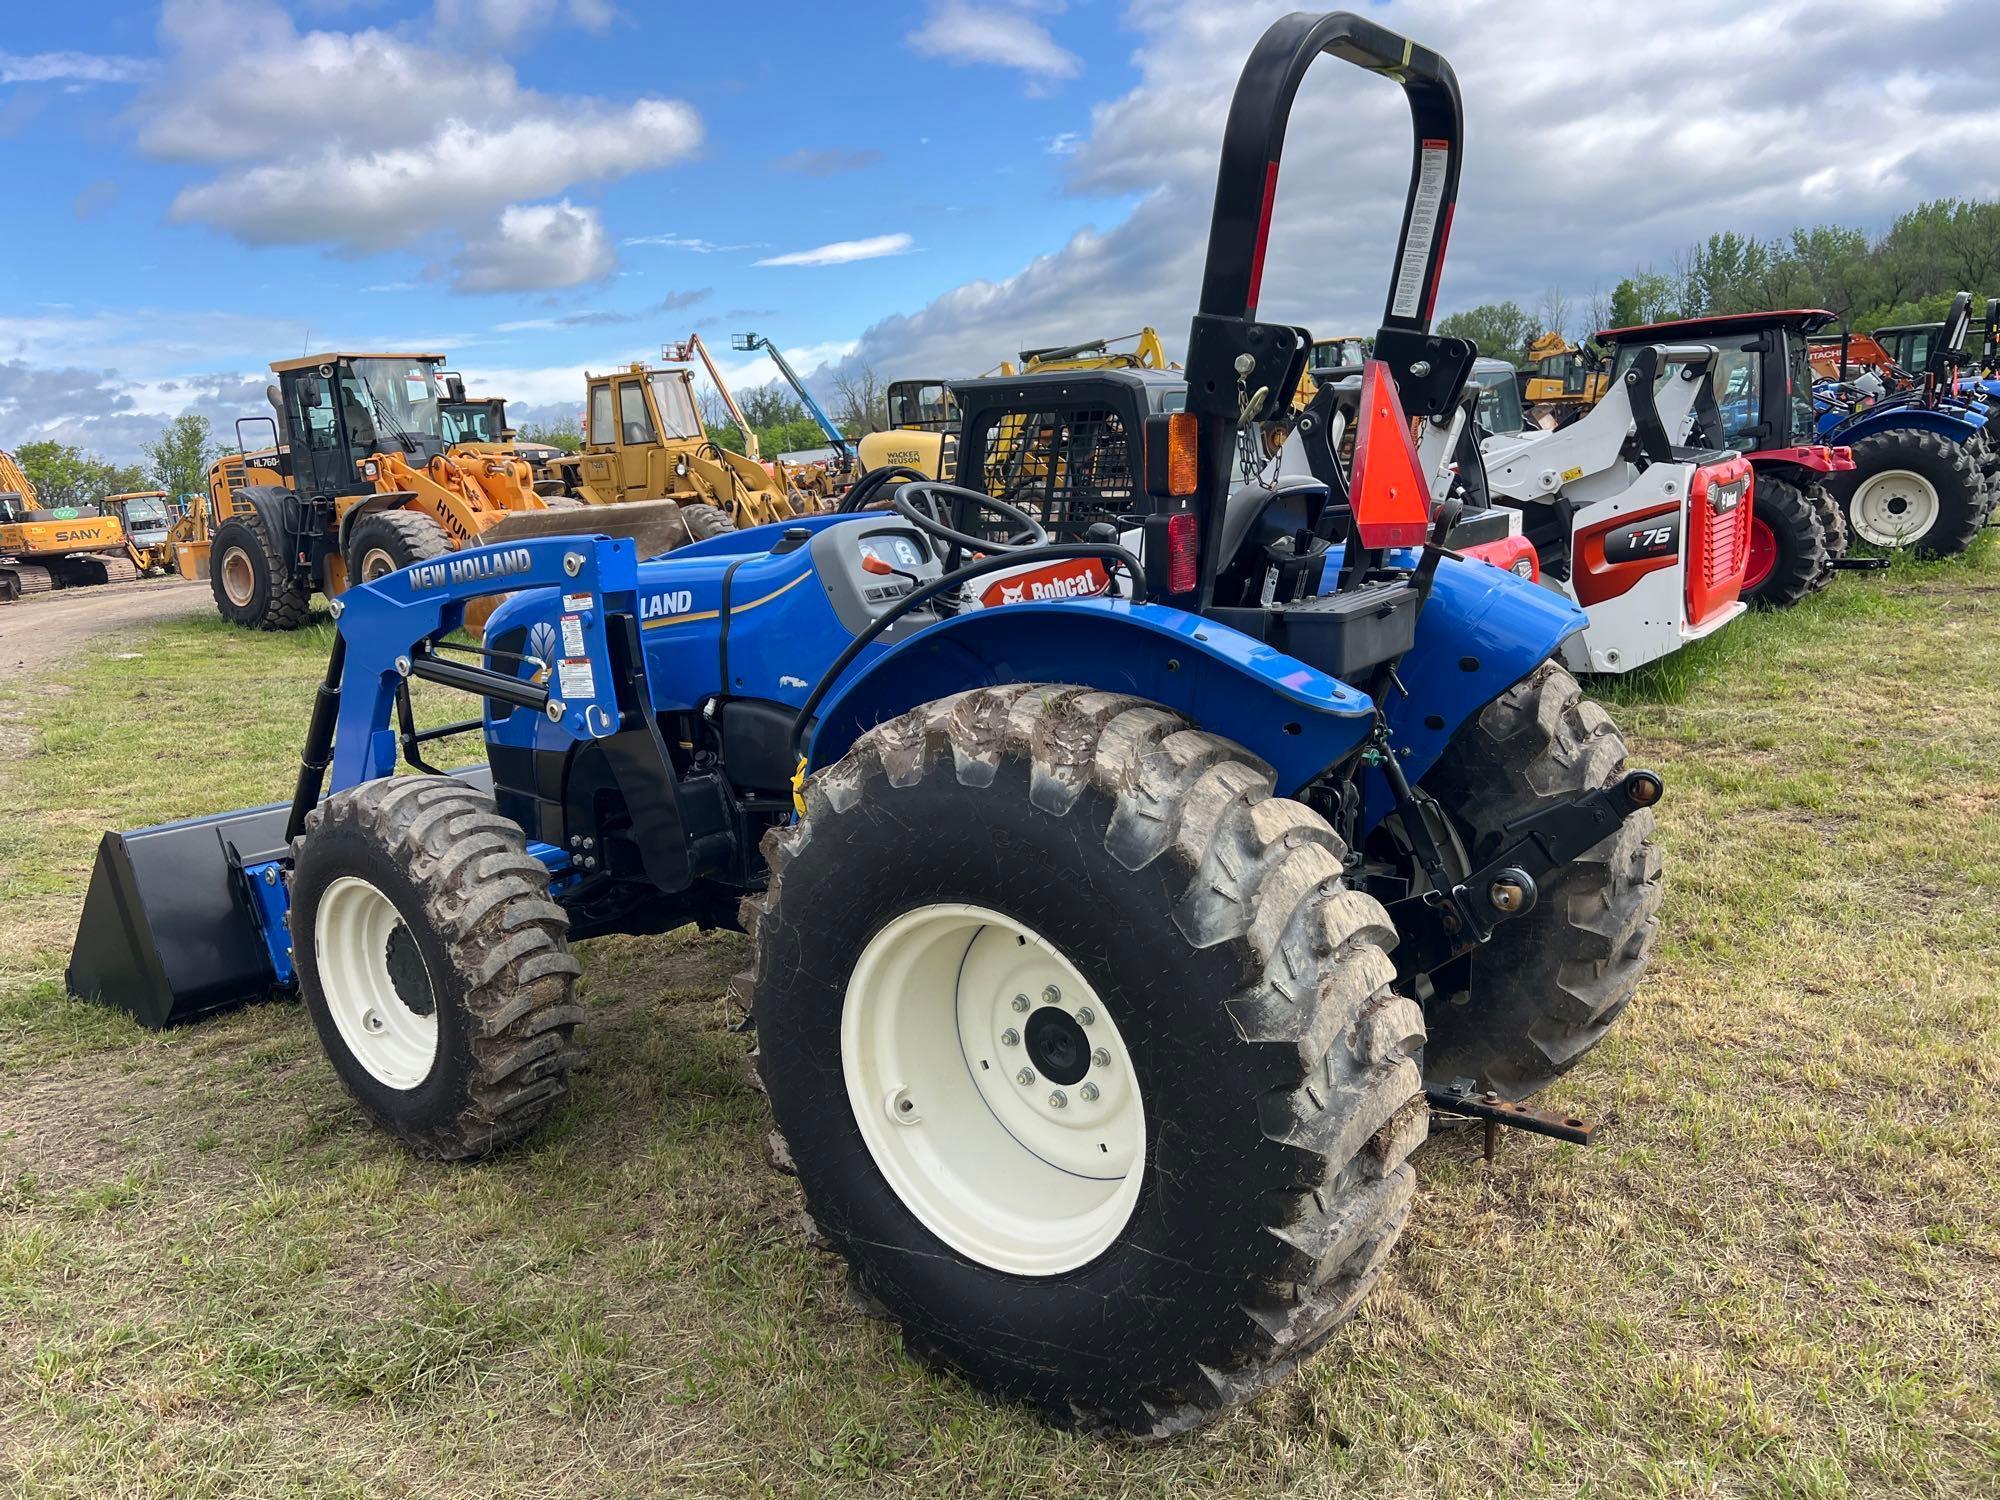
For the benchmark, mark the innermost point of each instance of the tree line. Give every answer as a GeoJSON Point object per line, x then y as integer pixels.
{"type": "Point", "coordinates": [1905, 274]}
{"type": "Point", "coordinates": [65, 476]}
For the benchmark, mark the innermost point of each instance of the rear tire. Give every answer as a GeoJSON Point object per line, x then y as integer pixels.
{"type": "Point", "coordinates": [251, 578]}
{"type": "Point", "coordinates": [1549, 984]}
{"type": "Point", "coordinates": [1241, 993]}
{"type": "Point", "coordinates": [1832, 529]}
{"type": "Point", "coordinates": [393, 539]}
{"type": "Point", "coordinates": [1913, 489]}
{"type": "Point", "coordinates": [1786, 535]}
{"type": "Point", "coordinates": [433, 963]}
{"type": "Point", "coordinates": [705, 521]}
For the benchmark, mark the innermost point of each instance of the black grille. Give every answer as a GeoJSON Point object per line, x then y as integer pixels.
{"type": "Point", "coordinates": [1067, 468]}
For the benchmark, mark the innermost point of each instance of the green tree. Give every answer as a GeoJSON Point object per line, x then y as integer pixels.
{"type": "Point", "coordinates": [66, 477]}
{"type": "Point", "coordinates": [563, 435]}
{"type": "Point", "coordinates": [1500, 329]}
{"type": "Point", "coordinates": [181, 454]}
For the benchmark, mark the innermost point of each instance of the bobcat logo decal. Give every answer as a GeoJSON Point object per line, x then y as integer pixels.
{"type": "Point", "coordinates": [1013, 595]}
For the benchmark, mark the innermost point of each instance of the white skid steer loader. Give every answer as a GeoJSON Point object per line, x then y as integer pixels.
{"type": "Point", "coordinates": [1648, 535]}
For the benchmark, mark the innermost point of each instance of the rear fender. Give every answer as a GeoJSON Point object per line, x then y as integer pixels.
{"type": "Point", "coordinates": [1481, 631]}
{"type": "Point", "coordinates": [1296, 718]}
{"type": "Point", "coordinates": [1951, 426]}
{"type": "Point", "coordinates": [277, 507]}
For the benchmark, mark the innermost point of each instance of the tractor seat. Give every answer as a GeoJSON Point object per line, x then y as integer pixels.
{"type": "Point", "coordinates": [1265, 513]}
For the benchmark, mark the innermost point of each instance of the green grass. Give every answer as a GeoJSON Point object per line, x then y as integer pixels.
{"type": "Point", "coordinates": [1779, 1275]}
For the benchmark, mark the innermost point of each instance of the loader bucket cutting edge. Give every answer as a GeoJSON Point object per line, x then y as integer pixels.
{"type": "Point", "coordinates": [168, 932]}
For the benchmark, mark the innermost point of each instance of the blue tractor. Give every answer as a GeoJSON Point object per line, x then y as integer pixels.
{"type": "Point", "coordinates": [1913, 346]}
{"type": "Point", "coordinates": [1921, 456]}
{"type": "Point", "coordinates": [1110, 953]}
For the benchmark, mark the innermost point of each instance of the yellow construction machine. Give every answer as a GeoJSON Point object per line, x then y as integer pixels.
{"type": "Point", "coordinates": [644, 440]}
{"type": "Point", "coordinates": [361, 477]}
{"type": "Point", "coordinates": [476, 426]}
{"type": "Point", "coordinates": [1560, 380]}
{"type": "Point", "coordinates": [147, 516]}
{"type": "Point", "coordinates": [67, 547]}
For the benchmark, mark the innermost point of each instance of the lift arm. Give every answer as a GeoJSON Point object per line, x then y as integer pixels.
{"type": "Point", "coordinates": [681, 353]}
{"type": "Point", "coordinates": [750, 343]}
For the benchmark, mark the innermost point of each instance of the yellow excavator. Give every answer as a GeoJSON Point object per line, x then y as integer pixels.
{"type": "Point", "coordinates": [66, 547]}
{"type": "Point", "coordinates": [644, 440]}
{"type": "Point", "coordinates": [360, 479]}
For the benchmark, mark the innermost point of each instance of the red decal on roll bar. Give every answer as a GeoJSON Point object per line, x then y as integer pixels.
{"type": "Point", "coordinates": [1263, 237]}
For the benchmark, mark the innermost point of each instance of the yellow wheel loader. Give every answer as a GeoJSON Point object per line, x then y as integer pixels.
{"type": "Point", "coordinates": [477, 426]}
{"type": "Point", "coordinates": [361, 479]}
{"type": "Point", "coordinates": [68, 547]}
{"type": "Point", "coordinates": [644, 440]}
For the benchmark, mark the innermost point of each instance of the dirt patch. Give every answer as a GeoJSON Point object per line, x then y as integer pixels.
{"type": "Point", "coordinates": [48, 628]}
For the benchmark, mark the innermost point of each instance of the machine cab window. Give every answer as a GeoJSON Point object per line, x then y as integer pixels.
{"type": "Point", "coordinates": [635, 422]}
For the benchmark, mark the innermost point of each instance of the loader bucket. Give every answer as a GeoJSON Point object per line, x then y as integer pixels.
{"type": "Point", "coordinates": [653, 526]}
{"type": "Point", "coordinates": [168, 932]}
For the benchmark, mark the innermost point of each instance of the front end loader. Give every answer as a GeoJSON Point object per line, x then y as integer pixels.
{"type": "Point", "coordinates": [360, 478]}
{"type": "Point", "coordinates": [1110, 953]}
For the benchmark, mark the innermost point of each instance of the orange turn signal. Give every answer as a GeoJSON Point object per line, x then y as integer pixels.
{"type": "Point", "coordinates": [1183, 468]}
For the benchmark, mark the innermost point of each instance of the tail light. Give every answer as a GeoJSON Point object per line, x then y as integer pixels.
{"type": "Point", "coordinates": [1173, 453]}
{"type": "Point", "coordinates": [1183, 553]}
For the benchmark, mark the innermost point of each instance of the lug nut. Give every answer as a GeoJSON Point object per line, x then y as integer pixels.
{"type": "Point", "coordinates": [1089, 1092]}
{"type": "Point", "coordinates": [1010, 1038]}
{"type": "Point", "coordinates": [1059, 1100]}
{"type": "Point", "coordinates": [1101, 1057]}
{"type": "Point", "coordinates": [1020, 1002]}
{"type": "Point", "coordinates": [1025, 1077]}
{"type": "Point", "coordinates": [1085, 1016]}
{"type": "Point", "coordinates": [1051, 995]}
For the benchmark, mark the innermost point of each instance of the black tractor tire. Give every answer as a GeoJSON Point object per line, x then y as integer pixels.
{"type": "Point", "coordinates": [1952, 471]}
{"type": "Point", "coordinates": [1800, 568]}
{"type": "Point", "coordinates": [1251, 990]}
{"type": "Point", "coordinates": [393, 539]}
{"type": "Point", "coordinates": [474, 943]}
{"type": "Point", "coordinates": [252, 579]}
{"type": "Point", "coordinates": [1832, 529]}
{"type": "Point", "coordinates": [1524, 1008]}
{"type": "Point", "coordinates": [705, 521]}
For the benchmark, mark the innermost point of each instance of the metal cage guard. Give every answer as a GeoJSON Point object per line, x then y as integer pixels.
{"type": "Point", "coordinates": [1242, 370]}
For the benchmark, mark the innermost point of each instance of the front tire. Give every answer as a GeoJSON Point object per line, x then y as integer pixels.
{"type": "Point", "coordinates": [1084, 851]}
{"type": "Point", "coordinates": [1788, 554]}
{"type": "Point", "coordinates": [393, 539]}
{"type": "Point", "coordinates": [1913, 489]}
{"type": "Point", "coordinates": [1522, 1010]}
{"type": "Point", "coordinates": [433, 963]}
{"type": "Point", "coordinates": [252, 579]}
{"type": "Point", "coordinates": [705, 521]}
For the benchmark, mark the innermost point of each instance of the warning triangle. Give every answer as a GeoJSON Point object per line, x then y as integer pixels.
{"type": "Point", "coordinates": [1392, 501]}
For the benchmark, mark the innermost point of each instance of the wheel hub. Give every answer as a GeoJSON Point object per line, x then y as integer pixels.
{"type": "Point", "coordinates": [1057, 1046]}
{"type": "Point", "coordinates": [407, 973]}
{"type": "Point", "coordinates": [377, 987]}
{"type": "Point", "coordinates": [1894, 508]}
{"type": "Point", "coordinates": [993, 1089]}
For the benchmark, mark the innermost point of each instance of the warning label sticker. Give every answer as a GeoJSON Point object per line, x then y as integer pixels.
{"type": "Point", "coordinates": [577, 604]}
{"type": "Point", "coordinates": [1436, 156]}
{"type": "Point", "coordinates": [575, 678]}
{"type": "Point", "coordinates": [572, 633]}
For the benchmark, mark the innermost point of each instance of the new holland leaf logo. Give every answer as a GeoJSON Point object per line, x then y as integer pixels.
{"type": "Point", "coordinates": [542, 643]}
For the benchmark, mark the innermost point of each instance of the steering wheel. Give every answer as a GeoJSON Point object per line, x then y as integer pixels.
{"type": "Point", "coordinates": [861, 495]}
{"type": "Point", "coordinates": [931, 523]}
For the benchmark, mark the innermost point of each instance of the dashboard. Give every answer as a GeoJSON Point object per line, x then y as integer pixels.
{"type": "Point", "coordinates": [867, 565]}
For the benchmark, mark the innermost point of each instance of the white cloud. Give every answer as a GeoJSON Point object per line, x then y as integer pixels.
{"type": "Point", "coordinates": [405, 139]}
{"type": "Point", "coordinates": [537, 245]}
{"type": "Point", "coordinates": [841, 252]}
{"type": "Point", "coordinates": [71, 67]}
{"type": "Point", "coordinates": [499, 24]}
{"type": "Point", "coordinates": [1004, 37]}
{"type": "Point", "coordinates": [685, 242]}
{"type": "Point", "coordinates": [1562, 184]}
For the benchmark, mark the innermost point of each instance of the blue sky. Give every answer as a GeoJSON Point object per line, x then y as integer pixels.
{"type": "Point", "coordinates": [537, 186]}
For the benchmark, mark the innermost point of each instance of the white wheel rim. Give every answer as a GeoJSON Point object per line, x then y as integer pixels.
{"type": "Point", "coordinates": [375, 562]}
{"type": "Point", "coordinates": [1894, 508]}
{"type": "Point", "coordinates": [1033, 1178]}
{"type": "Point", "coordinates": [239, 579]}
{"type": "Point", "coordinates": [351, 933]}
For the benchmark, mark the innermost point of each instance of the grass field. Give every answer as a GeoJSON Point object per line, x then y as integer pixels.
{"type": "Point", "coordinates": [1779, 1275]}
